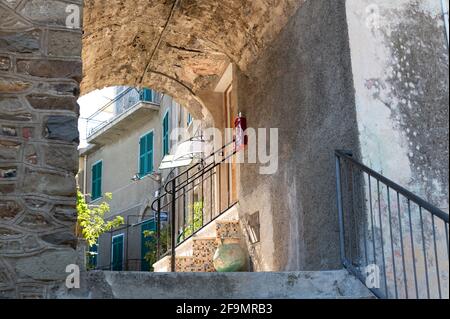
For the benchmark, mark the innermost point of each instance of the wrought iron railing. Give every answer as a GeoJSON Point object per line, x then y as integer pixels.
{"type": "Point", "coordinates": [394, 241]}
{"type": "Point", "coordinates": [193, 199]}
{"type": "Point", "coordinates": [126, 100]}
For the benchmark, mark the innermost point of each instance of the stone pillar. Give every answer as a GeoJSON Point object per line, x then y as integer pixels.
{"type": "Point", "coordinates": [40, 71]}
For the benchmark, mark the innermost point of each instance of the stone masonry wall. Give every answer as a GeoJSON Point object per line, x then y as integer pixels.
{"type": "Point", "coordinates": [40, 71]}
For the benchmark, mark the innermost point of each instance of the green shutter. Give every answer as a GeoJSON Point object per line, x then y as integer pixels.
{"type": "Point", "coordinates": [146, 154]}
{"type": "Point", "coordinates": [150, 152]}
{"type": "Point", "coordinates": [166, 134]}
{"type": "Point", "coordinates": [147, 95]}
{"type": "Point", "coordinates": [142, 143]}
{"type": "Point", "coordinates": [97, 181]}
{"type": "Point", "coordinates": [117, 253]}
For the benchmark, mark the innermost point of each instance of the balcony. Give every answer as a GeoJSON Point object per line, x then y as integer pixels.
{"type": "Point", "coordinates": [129, 109]}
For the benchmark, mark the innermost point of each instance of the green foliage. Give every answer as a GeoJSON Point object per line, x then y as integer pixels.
{"type": "Point", "coordinates": [195, 225]}
{"type": "Point", "coordinates": [91, 218]}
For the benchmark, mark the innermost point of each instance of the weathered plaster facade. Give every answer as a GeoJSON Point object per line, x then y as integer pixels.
{"type": "Point", "coordinates": [402, 94]}
{"type": "Point", "coordinates": [40, 68]}
{"type": "Point", "coordinates": [402, 102]}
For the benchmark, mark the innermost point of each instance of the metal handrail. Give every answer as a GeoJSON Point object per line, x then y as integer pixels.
{"type": "Point", "coordinates": [180, 187]}
{"type": "Point", "coordinates": [407, 251]}
{"type": "Point", "coordinates": [431, 208]}
{"type": "Point", "coordinates": [200, 167]}
{"type": "Point", "coordinates": [119, 97]}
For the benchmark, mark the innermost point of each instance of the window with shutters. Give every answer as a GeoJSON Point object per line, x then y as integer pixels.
{"type": "Point", "coordinates": [146, 154]}
{"type": "Point", "coordinates": [147, 95]}
{"type": "Point", "coordinates": [96, 191]}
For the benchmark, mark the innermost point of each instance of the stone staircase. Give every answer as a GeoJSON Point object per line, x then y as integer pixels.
{"type": "Point", "coordinates": [196, 254]}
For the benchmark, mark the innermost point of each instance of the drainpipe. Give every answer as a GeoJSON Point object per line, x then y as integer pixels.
{"type": "Point", "coordinates": [85, 175]}
{"type": "Point", "coordinates": [445, 17]}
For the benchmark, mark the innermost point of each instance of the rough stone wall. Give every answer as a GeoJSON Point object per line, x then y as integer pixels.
{"type": "Point", "coordinates": [303, 86]}
{"type": "Point", "coordinates": [40, 71]}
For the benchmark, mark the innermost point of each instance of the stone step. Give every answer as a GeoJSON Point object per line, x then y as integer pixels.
{"type": "Point", "coordinates": [197, 253]}
{"type": "Point", "coordinates": [184, 264]}
{"type": "Point", "coordinates": [228, 229]}
{"type": "Point", "coordinates": [336, 284]}
{"type": "Point", "coordinates": [203, 253]}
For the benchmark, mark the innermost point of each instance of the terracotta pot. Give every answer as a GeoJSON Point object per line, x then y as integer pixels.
{"type": "Point", "coordinates": [229, 256]}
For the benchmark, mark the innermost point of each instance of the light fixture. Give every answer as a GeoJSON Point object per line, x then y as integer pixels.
{"type": "Point", "coordinates": [190, 149]}
{"type": "Point", "coordinates": [168, 162]}
{"type": "Point", "coordinates": [154, 176]}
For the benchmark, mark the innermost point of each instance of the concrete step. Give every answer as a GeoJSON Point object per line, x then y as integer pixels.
{"type": "Point", "coordinates": [337, 284]}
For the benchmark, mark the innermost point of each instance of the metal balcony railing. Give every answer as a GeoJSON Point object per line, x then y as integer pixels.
{"type": "Point", "coordinates": [126, 100]}
{"type": "Point", "coordinates": [394, 241]}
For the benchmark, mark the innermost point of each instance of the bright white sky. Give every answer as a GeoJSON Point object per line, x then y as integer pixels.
{"type": "Point", "coordinates": [90, 103]}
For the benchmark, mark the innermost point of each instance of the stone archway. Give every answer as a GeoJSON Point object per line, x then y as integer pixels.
{"type": "Point", "coordinates": [181, 48]}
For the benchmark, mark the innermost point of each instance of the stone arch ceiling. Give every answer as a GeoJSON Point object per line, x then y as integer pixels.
{"type": "Point", "coordinates": [180, 47]}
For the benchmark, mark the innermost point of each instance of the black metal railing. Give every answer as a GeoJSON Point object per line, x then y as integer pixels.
{"type": "Point", "coordinates": [193, 199]}
{"type": "Point", "coordinates": [396, 243]}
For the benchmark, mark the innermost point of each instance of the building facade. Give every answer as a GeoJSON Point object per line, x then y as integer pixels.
{"type": "Point", "coordinates": [128, 138]}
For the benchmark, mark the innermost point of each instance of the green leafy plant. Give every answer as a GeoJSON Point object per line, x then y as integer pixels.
{"type": "Point", "coordinates": [196, 223]}
{"type": "Point", "coordinates": [91, 219]}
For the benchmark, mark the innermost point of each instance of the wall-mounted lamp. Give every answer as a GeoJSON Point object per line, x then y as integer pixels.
{"type": "Point", "coordinates": [155, 176]}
